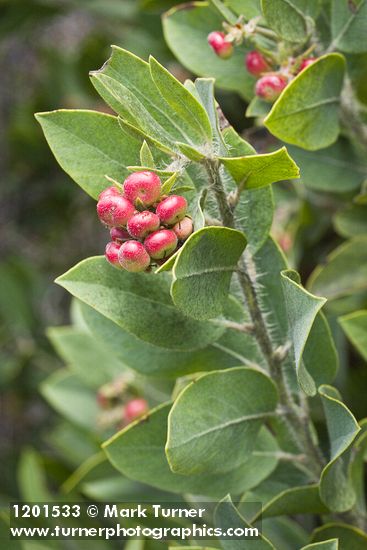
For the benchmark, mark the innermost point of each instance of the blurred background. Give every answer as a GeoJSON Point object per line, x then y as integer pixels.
{"type": "Point", "coordinates": [47, 224]}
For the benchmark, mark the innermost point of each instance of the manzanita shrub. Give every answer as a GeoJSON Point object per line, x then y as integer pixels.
{"type": "Point", "coordinates": [196, 355]}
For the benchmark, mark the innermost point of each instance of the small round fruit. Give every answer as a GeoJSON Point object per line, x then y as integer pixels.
{"type": "Point", "coordinates": [183, 228]}
{"type": "Point", "coordinates": [306, 63]}
{"type": "Point", "coordinates": [134, 409]}
{"type": "Point", "coordinates": [221, 46]}
{"type": "Point", "coordinates": [133, 257]}
{"type": "Point", "coordinates": [145, 186]}
{"type": "Point", "coordinates": [256, 63]}
{"type": "Point", "coordinates": [143, 223]}
{"type": "Point", "coordinates": [270, 86]}
{"type": "Point", "coordinates": [119, 235]}
{"type": "Point", "coordinates": [172, 209]}
{"type": "Point", "coordinates": [113, 190]}
{"type": "Point", "coordinates": [112, 252]}
{"type": "Point", "coordinates": [161, 243]}
{"type": "Point", "coordinates": [115, 210]}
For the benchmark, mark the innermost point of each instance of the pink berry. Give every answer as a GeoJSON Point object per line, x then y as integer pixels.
{"type": "Point", "coordinates": [270, 86]}
{"type": "Point", "coordinates": [133, 256]}
{"type": "Point", "coordinates": [111, 254]}
{"type": "Point", "coordinates": [115, 210]}
{"type": "Point", "coordinates": [135, 409]}
{"type": "Point", "coordinates": [145, 186]}
{"type": "Point", "coordinates": [119, 235]}
{"type": "Point", "coordinates": [143, 223]}
{"type": "Point", "coordinates": [221, 46]}
{"type": "Point", "coordinates": [172, 209]}
{"type": "Point", "coordinates": [183, 228]}
{"type": "Point", "coordinates": [161, 243]}
{"type": "Point", "coordinates": [306, 62]}
{"type": "Point", "coordinates": [256, 63]}
{"type": "Point", "coordinates": [109, 191]}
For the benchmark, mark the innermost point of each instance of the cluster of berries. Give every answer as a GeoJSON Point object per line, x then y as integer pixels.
{"type": "Point", "coordinates": [118, 408]}
{"type": "Point", "coordinates": [270, 83]}
{"type": "Point", "coordinates": [145, 226]}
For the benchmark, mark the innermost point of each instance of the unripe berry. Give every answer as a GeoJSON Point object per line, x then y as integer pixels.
{"type": "Point", "coordinates": [160, 244]}
{"type": "Point", "coordinates": [134, 409]}
{"type": "Point", "coordinates": [143, 223]}
{"type": "Point", "coordinates": [133, 256]}
{"type": "Point", "coordinates": [119, 235]}
{"type": "Point", "coordinates": [113, 190]}
{"type": "Point", "coordinates": [306, 62]}
{"type": "Point", "coordinates": [270, 86]}
{"type": "Point", "coordinates": [221, 46]}
{"type": "Point", "coordinates": [183, 228]}
{"type": "Point", "coordinates": [115, 210]}
{"type": "Point", "coordinates": [256, 63]}
{"type": "Point", "coordinates": [145, 186]}
{"type": "Point", "coordinates": [111, 254]}
{"type": "Point", "coordinates": [172, 209]}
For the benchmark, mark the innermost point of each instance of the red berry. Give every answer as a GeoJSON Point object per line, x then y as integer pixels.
{"type": "Point", "coordinates": [306, 62]}
{"type": "Point", "coordinates": [256, 63]}
{"type": "Point", "coordinates": [270, 86]}
{"type": "Point", "coordinates": [115, 210]}
{"type": "Point", "coordinates": [183, 228]}
{"type": "Point", "coordinates": [143, 223]}
{"type": "Point", "coordinates": [109, 191]}
{"type": "Point", "coordinates": [112, 251]}
{"type": "Point", "coordinates": [119, 235]}
{"type": "Point", "coordinates": [161, 243]}
{"type": "Point", "coordinates": [172, 209]}
{"type": "Point", "coordinates": [145, 186]}
{"type": "Point", "coordinates": [133, 256]}
{"type": "Point", "coordinates": [135, 409]}
{"type": "Point", "coordinates": [221, 46]}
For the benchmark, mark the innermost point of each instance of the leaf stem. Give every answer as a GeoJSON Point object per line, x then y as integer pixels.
{"type": "Point", "coordinates": [298, 426]}
{"type": "Point", "coordinates": [350, 114]}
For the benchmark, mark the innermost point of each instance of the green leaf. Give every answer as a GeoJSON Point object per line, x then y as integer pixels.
{"type": "Point", "coordinates": [296, 500]}
{"type": "Point", "coordinates": [248, 8]}
{"type": "Point", "coordinates": [227, 516]}
{"type": "Point", "coordinates": [351, 221]}
{"type": "Point", "coordinates": [138, 452]}
{"type": "Point", "coordinates": [331, 544]}
{"type": "Point", "coordinates": [255, 171]}
{"type": "Point", "coordinates": [186, 29]}
{"type": "Point", "coordinates": [169, 183]}
{"type": "Point", "coordinates": [32, 477]}
{"type": "Point", "coordinates": [336, 169]}
{"type": "Point", "coordinates": [348, 26]}
{"type": "Point", "coordinates": [254, 212]}
{"type": "Point", "coordinates": [72, 399]}
{"type": "Point", "coordinates": [306, 112]}
{"type": "Point", "coordinates": [182, 102]}
{"type": "Point", "coordinates": [139, 303]}
{"type": "Point", "coordinates": [203, 423]}
{"type": "Point", "coordinates": [344, 273]}
{"type": "Point", "coordinates": [355, 327]}
{"type": "Point", "coordinates": [286, 19]}
{"type": "Point", "coordinates": [89, 145]}
{"type": "Point", "coordinates": [125, 83]}
{"type": "Point", "coordinates": [231, 349]}
{"type": "Point", "coordinates": [258, 108]}
{"type": "Point", "coordinates": [203, 270]}
{"type": "Point", "coordinates": [88, 358]}
{"type": "Point", "coordinates": [302, 310]}
{"type": "Point", "coordinates": [146, 157]}
{"type": "Point", "coordinates": [336, 490]}
{"type": "Point", "coordinates": [350, 538]}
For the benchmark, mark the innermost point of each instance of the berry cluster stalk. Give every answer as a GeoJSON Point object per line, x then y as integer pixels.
{"type": "Point", "coordinates": [293, 415]}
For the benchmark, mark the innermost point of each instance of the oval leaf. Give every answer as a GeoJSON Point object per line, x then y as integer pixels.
{"type": "Point", "coordinates": [204, 423]}
{"type": "Point", "coordinates": [306, 113]}
{"type": "Point", "coordinates": [203, 270]}
{"type": "Point", "coordinates": [138, 302]}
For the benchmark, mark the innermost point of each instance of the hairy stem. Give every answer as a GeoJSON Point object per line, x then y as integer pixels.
{"type": "Point", "coordinates": [297, 425]}
{"type": "Point", "coordinates": [351, 116]}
